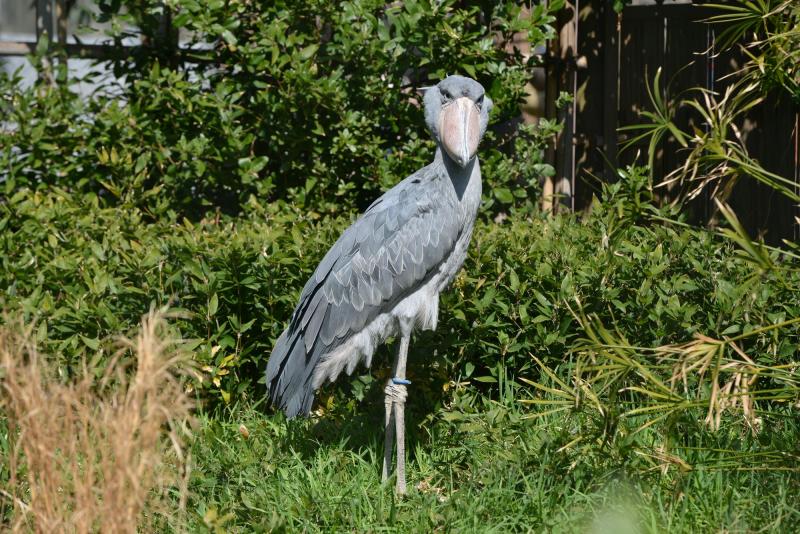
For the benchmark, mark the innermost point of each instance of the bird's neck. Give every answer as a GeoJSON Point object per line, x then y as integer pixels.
{"type": "Point", "coordinates": [461, 177]}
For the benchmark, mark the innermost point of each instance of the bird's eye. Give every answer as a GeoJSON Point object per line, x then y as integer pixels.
{"type": "Point", "coordinates": [446, 97]}
{"type": "Point", "coordinates": [479, 102]}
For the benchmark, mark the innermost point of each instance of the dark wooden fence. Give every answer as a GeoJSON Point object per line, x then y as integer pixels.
{"type": "Point", "coordinates": [607, 60]}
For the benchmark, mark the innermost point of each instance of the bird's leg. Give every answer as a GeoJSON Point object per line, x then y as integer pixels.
{"type": "Point", "coordinates": [395, 392]}
{"type": "Point", "coordinates": [389, 429]}
{"type": "Point", "coordinates": [399, 411]}
{"type": "Point", "coordinates": [389, 396]}
{"type": "Point", "coordinates": [399, 420]}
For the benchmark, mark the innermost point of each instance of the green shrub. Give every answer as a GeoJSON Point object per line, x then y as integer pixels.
{"type": "Point", "coordinates": [641, 337]}
{"type": "Point", "coordinates": [121, 202]}
{"type": "Point", "coordinates": [657, 283]}
{"type": "Point", "coordinates": [315, 102]}
{"type": "Point", "coordinates": [85, 272]}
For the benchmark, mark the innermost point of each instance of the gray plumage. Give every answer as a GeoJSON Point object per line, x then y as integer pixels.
{"type": "Point", "coordinates": [384, 274]}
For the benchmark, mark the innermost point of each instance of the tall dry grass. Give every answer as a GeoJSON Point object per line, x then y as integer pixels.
{"type": "Point", "coordinates": [96, 454]}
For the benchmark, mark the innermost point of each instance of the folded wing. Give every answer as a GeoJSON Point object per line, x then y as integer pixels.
{"type": "Point", "coordinates": [382, 258]}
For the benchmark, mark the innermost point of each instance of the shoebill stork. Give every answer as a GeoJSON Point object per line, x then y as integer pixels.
{"type": "Point", "coordinates": [383, 276]}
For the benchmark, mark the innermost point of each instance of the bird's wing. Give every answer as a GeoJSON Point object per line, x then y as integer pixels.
{"type": "Point", "coordinates": [403, 237]}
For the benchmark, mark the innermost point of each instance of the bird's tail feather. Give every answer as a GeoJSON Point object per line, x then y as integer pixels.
{"type": "Point", "coordinates": [289, 375]}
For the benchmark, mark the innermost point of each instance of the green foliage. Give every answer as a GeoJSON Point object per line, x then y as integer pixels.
{"type": "Point", "coordinates": [509, 186]}
{"type": "Point", "coordinates": [659, 123]}
{"type": "Point", "coordinates": [621, 324]}
{"type": "Point", "coordinates": [619, 5]}
{"type": "Point", "coordinates": [85, 272]}
{"type": "Point", "coordinates": [315, 102]}
{"type": "Point", "coordinates": [716, 155]}
{"type": "Point", "coordinates": [513, 327]}
{"type": "Point", "coordinates": [122, 199]}
{"type": "Point", "coordinates": [771, 30]}
{"type": "Point", "coordinates": [660, 284]}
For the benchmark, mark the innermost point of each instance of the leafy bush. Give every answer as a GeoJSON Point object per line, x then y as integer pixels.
{"type": "Point", "coordinates": [658, 283]}
{"type": "Point", "coordinates": [316, 102]}
{"type": "Point", "coordinates": [88, 272]}
{"type": "Point", "coordinates": [84, 272]}
{"type": "Point", "coordinates": [649, 336]}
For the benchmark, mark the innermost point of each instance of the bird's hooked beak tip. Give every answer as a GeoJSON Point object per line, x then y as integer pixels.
{"type": "Point", "coordinates": [461, 161]}
{"type": "Point", "coordinates": [459, 127]}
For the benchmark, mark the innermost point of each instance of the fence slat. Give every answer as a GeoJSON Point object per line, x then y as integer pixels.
{"type": "Point", "coordinates": [61, 20]}
{"type": "Point", "coordinates": [44, 18]}
{"type": "Point", "coordinates": [610, 86]}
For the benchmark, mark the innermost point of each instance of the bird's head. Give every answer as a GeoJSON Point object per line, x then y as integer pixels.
{"type": "Point", "coordinates": [457, 112]}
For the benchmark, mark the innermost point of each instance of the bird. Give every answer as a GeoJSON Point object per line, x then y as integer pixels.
{"type": "Point", "coordinates": [383, 276]}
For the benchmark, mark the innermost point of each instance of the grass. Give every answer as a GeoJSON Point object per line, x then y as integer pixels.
{"type": "Point", "coordinates": [485, 462]}
{"type": "Point", "coordinates": [494, 470]}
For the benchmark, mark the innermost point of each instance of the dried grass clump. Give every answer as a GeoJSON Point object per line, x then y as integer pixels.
{"type": "Point", "coordinates": [716, 375]}
{"type": "Point", "coordinates": [90, 455]}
